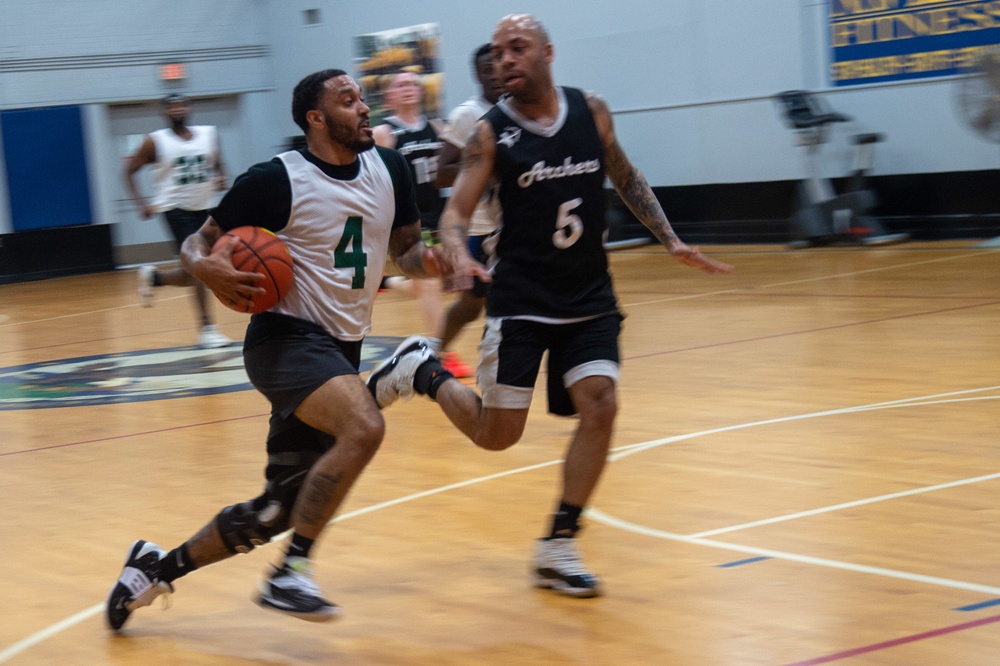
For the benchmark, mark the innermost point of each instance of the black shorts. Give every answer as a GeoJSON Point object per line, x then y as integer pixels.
{"type": "Point", "coordinates": [511, 356]}
{"type": "Point", "coordinates": [287, 359]}
{"type": "Point", "coordinates": [183, 223]}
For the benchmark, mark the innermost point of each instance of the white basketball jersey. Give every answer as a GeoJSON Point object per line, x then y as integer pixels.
{"type": "Point", "coordinates": [338, 235]}
{"type": "Point", "coordinates": [184, 170]}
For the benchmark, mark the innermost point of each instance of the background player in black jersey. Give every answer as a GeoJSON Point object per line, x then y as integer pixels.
{"type": "Point", "coordinates": [336, 199]}
{"type": "Point", "coordinates": [550, 148]}
{"type": "Point", "coordinates": [415, 135]}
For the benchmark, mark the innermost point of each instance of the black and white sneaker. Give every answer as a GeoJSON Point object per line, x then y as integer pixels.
{"type": "Point", "coordinates": [393, 378]}
{"type": "Point", "coordinates": [291, 590]}
{"type": "Point", "coordinates": [138, 584]}
{"type": "Point", "coordinates": [558, 567]}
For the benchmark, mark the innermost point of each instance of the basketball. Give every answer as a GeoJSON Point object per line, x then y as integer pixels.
{"type": "Point", "coordinates": [259, 251]}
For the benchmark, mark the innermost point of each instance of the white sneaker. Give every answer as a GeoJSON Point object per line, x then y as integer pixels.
{"type": "Point", "coordinates": [145, 286]}
{"type": "Point", "coordinates": [393, 378]}
{"type": "Point", "coordinates": [210, 338]}
{"type": "Point", "coordinates": [558, 567]}
{"type": "Point", "coordinates": [291, 590]}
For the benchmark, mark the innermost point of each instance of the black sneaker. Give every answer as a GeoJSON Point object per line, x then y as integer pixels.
{"type": "Point", "coordinates": [558, 567]}
{"type": "Point", "coordinates": [138, 583]}
{"type": "Point", "coordinates": [393, 378]}
{"type": "Point", "coordinates": [291, 590]}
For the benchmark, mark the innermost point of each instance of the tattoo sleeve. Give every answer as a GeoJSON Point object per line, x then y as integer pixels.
{"type": "Point", "coordinates": [629, 182]}
{"type": "Point", "coordinates": [636, 193]}
{"type": "Point", "coordinates": [406, 248]}
{"type": "Point", "coordinates": [472, 154]}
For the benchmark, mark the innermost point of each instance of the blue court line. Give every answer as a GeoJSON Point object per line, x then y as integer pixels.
{"type": "Point", "coordinates": [984, 604]}
{"type": "Point", "coordinates": [749, 560]}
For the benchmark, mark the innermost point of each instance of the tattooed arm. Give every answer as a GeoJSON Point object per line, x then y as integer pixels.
{"type": "Point", "coordinates": [408, 251]}
{"type": "Point", "coordinates": [631, 185]}
{"type": "Point", "coordinates": [474, 175]}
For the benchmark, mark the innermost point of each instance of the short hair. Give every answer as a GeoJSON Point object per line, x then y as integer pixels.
{"type": "Point", "coordinates": [484, 50]}
{"type": "Point", "coordinates": [307, 93]}
{"type": "Point", "coordinates": [174, 97]}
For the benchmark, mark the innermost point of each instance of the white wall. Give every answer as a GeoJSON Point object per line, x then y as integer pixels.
{"type": "Point", "coordinates": [690, 81]}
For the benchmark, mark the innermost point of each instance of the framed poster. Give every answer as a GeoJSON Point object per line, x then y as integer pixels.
{"type": "Point", "coordinates": [415, 49]}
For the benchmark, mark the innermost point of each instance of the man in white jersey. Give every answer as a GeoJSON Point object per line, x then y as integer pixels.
{"type": "Point", "coordinates": [187, 172]}
{"type": "Point", "coordinates": [551, 295]}
{"type": "Point", "coordinates": [484, 218]}
{"type": "Point", "coordinates": [342, 206]}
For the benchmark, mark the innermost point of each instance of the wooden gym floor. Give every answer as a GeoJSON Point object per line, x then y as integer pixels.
{"type": "Point", "coordinates": [806, 470]}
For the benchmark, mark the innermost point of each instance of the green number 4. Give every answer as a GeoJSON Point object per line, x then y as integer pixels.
{"type": "Point", "coordinates": [350, 252]}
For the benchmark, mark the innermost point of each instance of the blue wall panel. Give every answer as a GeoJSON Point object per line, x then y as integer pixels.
{"type": "Point", "coordinates": [46, 167]}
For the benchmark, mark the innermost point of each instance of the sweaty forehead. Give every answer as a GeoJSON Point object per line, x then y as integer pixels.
{"type": "Point", "coordinates": [519, 27]}
{"type": "Point", "coordinates": [343, 84]}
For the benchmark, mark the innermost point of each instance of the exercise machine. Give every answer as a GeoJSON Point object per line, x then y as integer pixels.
{"type": "Point", "coordinates": [823, 216]}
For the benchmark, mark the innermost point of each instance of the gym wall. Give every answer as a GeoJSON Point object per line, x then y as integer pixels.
{"type": "Point", "coordinates": [690, 83]}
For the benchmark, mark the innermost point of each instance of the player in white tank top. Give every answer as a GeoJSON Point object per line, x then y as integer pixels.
{"type": "Point", "coordinates": [183, 174]}
{"type": "Point", "coordinates": [341, 206]}
{"type": "Point", "coordinates": [323, 292]}
{"type": "Point", "coordinates": [187, 172]}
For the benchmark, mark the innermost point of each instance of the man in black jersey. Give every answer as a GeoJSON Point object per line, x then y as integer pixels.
{"type": "Point", "coordinates": [415, 135]}
{"type": "Point", "coordinates": [550, 148]}
{"type": "Point", "coordinates": [340, 205]}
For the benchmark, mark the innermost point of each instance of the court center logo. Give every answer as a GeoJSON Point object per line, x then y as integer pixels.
{"type": "Point", "coordinates": [155, 374]}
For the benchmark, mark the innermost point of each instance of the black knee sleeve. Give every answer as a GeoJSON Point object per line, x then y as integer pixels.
{"type": "Point", "coordinates": [253, 523]}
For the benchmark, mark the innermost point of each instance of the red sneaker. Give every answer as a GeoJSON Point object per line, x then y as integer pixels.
{"type": "Point", "coordinates": [456, 366]}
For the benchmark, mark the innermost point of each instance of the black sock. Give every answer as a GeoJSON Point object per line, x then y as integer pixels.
{"type": "Point", "coordinates": [176, 563]}
{"type": "Point", "coordinates": [429, 378]}
{"type": "Point", "coordinates": [565, 521]}
{"type": "Point", "coordinates": [299, 547]}
{"type": "Point", "coordinates": [156, 279]}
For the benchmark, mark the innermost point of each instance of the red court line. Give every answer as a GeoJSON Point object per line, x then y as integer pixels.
{"type": "Point", "coordinates": [898, 641]}
{"type": "Point", "coordinates": [807, 331]}
{"type": "Point", "coordinates": [132, 434]}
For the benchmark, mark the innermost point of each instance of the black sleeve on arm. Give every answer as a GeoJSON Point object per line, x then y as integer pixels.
{"type": "Point", "coordinates": [261, 197]}
{"type": "Point", "coordinates": [402, 184]}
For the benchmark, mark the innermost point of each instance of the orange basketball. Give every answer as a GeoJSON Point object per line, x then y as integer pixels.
{"type": "Point", "coordinates": [260, 251]}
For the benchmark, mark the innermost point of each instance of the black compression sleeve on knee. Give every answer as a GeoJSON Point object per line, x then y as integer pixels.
{"type": "Point", "coordinates": [429, 378]}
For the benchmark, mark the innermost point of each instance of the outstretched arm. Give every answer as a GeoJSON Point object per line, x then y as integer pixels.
{"type": "Point", "coordinates": [631, 185]}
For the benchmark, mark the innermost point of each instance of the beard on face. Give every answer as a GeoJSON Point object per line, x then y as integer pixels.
{"type": "Point", "coordinates": [349, 137]}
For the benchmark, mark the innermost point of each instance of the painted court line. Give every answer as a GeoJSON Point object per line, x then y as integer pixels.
{"type": "Point", "coordinates": [601, 517]}
{"type": "Point", "coordinates": [38, 637]}
{"type": "Point", "coordinates": [979, 606]}
{"type": "Point", "coordinates": [820, 278]}
{"type": "Point", "coordinates": [897, 641]}
{"type": "Point", "coordinates": [739, 563]}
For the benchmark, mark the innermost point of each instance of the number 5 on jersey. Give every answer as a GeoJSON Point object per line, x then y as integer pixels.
{"type": "Point", "coordinates": [569, 227]}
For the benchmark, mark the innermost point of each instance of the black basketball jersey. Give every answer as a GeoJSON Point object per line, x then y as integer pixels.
{"type": "Point", "coordinates": [551, 262]}
{"type": "Point", "coordinates": [420, 147]}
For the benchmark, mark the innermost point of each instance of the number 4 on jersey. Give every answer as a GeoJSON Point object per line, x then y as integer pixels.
{"type": "Point", "coordinates": [350, 252]}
